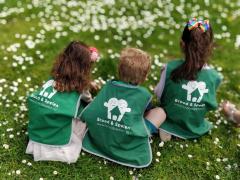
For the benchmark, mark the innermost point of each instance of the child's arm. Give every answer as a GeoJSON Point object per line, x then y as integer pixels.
{"type": "Point", "coordinates": [160, 86]}
{"type": "Point", "coordinates": [95, 86]}
{"type": "Point", "coordinates": [86, 96]}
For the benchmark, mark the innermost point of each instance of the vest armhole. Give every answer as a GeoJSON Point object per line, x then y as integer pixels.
{"type": "Point", "coordinates": [160, 86]}
{"type": "Point", "coordinates": [77, 106]}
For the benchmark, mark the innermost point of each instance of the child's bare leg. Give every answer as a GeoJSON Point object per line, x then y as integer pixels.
{"type": "Point", "coordinates": [164, 136]}
{"type": "Point", "coordinates": [157, 116]}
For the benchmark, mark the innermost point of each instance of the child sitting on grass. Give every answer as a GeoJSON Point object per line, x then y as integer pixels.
{"type": "Point", "coordinates": [117, 130]}
{"type": "Point", "coordinates": [54, 132]}
{"type": "Point", "coordinates": [187, 88]}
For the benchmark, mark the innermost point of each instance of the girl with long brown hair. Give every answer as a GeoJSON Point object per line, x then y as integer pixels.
{"type": "Point", "coordinates": [55, 132]}
{"type": "Point", "coordinates": [187, 88]}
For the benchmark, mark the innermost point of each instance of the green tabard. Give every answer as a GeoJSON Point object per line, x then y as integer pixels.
{"type": "Point", "coordinates": [187, 102]}
{"type": "Point", "coordinates": [51, 114]}
{"type": "Point", "coordinates": [116, 127]}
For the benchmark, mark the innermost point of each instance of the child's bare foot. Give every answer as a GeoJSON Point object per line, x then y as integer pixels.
{"type": "Point", "coordinates": [164, 136]}
{"type": "Point", "coordinates": [231, 112]}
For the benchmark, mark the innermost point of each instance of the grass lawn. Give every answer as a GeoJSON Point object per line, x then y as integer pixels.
{"type": "Point", "coordinates": [34, 32]}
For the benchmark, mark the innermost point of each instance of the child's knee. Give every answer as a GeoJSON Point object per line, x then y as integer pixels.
{"type": "Point", "coordinates": [156, 116]}
{"type": "Point", "coordinates": [161, 112]}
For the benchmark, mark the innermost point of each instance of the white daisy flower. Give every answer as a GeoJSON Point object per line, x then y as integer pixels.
{"type": "Point", "coordinates": [18, 172]}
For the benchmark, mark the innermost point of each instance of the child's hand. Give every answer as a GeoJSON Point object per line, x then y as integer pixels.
{"type": "Point", "coordinates": [94, 86]}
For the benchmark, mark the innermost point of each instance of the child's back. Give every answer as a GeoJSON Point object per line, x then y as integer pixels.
{"type": "Point", "coordinates": [116, 128]}
{"type": "Point", "coordinates": [115, 119]}
{"type": "Point", "coordinates": [51, 114]}
{"type": "Point", "coordinates": [54, 131]}
{"type": "Point", "coordinates": [187, 102]}
{"type": "Point", "coordinates": [187, 89]}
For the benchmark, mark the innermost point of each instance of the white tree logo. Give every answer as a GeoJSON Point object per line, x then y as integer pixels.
{"type": "Point", "coordinates": [122, 106]}
{"type": "Point", "coordinates": [192, 86]}
{"type": "Point", "coordinates": [45, 86]}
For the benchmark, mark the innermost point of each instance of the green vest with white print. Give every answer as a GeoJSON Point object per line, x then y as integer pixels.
{"type": "Point", "coordinates": [116, 127]}
{"type": "Point", "coordinates": [51, 114]}
{"type": "Point", "coordinates": [187, 102]}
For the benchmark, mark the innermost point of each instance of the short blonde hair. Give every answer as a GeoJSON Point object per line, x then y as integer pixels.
{"type": "Point", "coordinates": [134, 65]}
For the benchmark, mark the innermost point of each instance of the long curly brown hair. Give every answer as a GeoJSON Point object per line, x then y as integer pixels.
{"type": "Point", "coordinates": [71, 70]}
{"type": "Point", "coordinates": [197, 47]}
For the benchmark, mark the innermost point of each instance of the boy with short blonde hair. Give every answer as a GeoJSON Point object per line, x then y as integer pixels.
{"type": "Point", "coordinates": [117, 130]}
{"type": "Point", "coordinates": [134, 65]}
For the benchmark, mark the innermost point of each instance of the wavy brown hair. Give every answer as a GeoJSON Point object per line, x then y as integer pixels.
{"type": "Point", "coordinates": [71, 70]}
{"type": "Point", "coordinates": [197, 47]}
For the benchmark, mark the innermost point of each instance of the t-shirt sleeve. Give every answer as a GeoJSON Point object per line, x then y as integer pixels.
{"type": "Point", "coordinates": [160, 86]}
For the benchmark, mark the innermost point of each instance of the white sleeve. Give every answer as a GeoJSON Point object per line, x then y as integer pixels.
{"type": "Point", "coordinates": [160, 86]}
